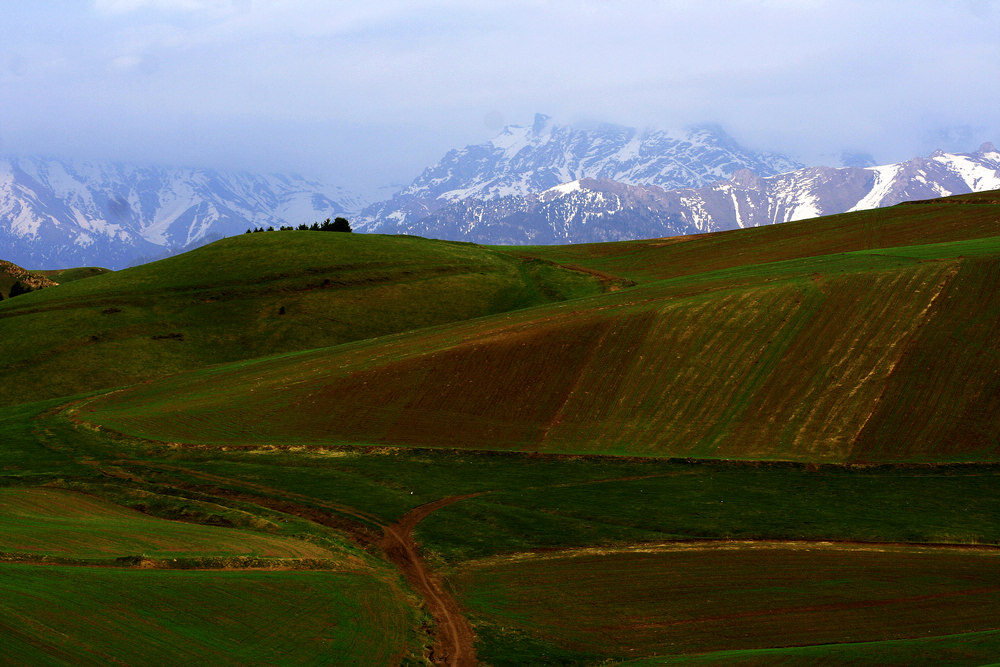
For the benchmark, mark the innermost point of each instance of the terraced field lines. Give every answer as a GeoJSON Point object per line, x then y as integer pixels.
{"type": "Point", "coordinates": [943, 397]}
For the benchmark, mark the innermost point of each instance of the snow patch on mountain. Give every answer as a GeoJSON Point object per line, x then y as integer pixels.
{"type": "Point", "coordinates": [977, 174]}
{"type": "Point", "coordinates": [564, 189]}
{"type": "Point", "coordinates": [522, 160]}
{"type": "Point", "coordinates": [884, 177]}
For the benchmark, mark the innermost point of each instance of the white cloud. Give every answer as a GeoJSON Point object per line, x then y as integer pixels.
{"type": "Point", "coordinates": [330, 78]}
{"type": "Point", "coordinates": [126, 62]}
{"type": "Point", "coordinates": [128, 6]}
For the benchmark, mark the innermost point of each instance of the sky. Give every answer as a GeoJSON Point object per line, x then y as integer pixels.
{"type": "Point", "coordinates": [367, 94]}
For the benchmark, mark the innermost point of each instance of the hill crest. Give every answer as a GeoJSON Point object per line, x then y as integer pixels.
{"type": "Point", "coordinates": [805, 342]}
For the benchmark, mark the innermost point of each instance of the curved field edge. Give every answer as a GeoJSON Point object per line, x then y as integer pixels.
{"type": "Point", "coordinates": [707, 500]}
{"type": "Point", "coordinates": [535, 501]}
{"type": "Point", "coordinates": [59, 615]}
{"type": "Point", "coordinates": [905, 371]}
{"type": "Point", "coordinates": [692, 599]}
{"type": "Point", "coordinates": [970, 648]}
{"type": "Point", "coordinates": [56, 522]}
{"type": "Point", "coordinates": [40, 448]}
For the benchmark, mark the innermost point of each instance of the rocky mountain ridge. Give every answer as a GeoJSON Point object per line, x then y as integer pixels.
{"type": "Point", "coordinates": [539, 184]}
{"type": "Point", "coordinates": [597, 210]}
{"type": "Point", "coordinates": [522, 160]}
{"type": "Point", "coordinates": [56, 213]}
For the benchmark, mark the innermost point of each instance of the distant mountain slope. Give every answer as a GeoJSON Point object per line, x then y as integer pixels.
{"type": "Point", "coordinates": [589, 210]}
{"type": "Point", "coordinates": [525, 160]}
{"type": "Point", "coordinates": [55, 214]}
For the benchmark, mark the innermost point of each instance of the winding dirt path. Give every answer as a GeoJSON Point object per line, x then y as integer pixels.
{"type": "Point", "coordinates": [454, 644]}
{"type": "Point", "coordinates": [454, 641]}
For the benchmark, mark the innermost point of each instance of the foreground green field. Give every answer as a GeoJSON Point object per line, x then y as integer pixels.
{"type": "Point", "coordinates": [53, 615]}
{"type": "Point", "coordinates": [770, 446]}
{"type": "Point", "coordinates": [971, 648]}
{"type": "Point", "coordinates": [685, 598]}
{"type": "Point", "coordinates": [528, 503]}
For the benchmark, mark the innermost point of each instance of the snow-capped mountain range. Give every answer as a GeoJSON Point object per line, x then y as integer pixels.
{"type": "Point", "coordinates": [542, 183]}
{"type": "Point", "coordinates": [55, 214]}
{"type": "Point", "coordinates": [593, 210]}
{"type": "Point", "coordinates": [522, 161]}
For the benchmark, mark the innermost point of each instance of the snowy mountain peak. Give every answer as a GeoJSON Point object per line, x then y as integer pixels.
{"type": "Point", "coordinates": [524, 160]}
{"type": "Point", "coordinates": [590, 210]}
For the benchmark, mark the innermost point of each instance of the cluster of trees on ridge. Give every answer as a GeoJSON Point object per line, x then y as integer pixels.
{"type": "Point", "coordinates": [338, 225]}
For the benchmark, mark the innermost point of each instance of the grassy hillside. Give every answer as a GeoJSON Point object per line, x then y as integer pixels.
{"type": "Point", "coordinates": [609, 603]}
{"type": "Point", "coordinates": [254, 295]}
{"type": "Point", "coordinates": [67, 524]}
{"type": "Point", "coordinates": [957, 218]}
{"type": "Point", "coordinates": [971, 648]}
{"type": "Point", "coordinates": [62, 276]}
{"type": "Point", "coordinates": [776, 445]}
{"type": "Point", "coordinates": [858, 356]}
{"type": "Point", "coordinates": [199, 617]}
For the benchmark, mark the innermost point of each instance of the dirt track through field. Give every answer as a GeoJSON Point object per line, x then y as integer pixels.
{"type": "Point", "coordinates": [455, 642]}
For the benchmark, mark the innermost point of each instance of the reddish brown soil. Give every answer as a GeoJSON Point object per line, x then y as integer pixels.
{"type": "Point", "coordinates": [455, 643]}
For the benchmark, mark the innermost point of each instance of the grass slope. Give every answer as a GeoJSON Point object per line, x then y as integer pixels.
{"type": "Point", "coordinates": [62, 276]}
{"type": "Point", "coordinates": [55, 522]}
{"type": "Point", "coordinates": [859, 356]}
{"type": "Point", "coordinates": [253, 295]}
{"type": "Point", "coordinates": [53, 615]}
{"type": "Point", "coordinates": [851, 339]}
{"type": "Point", "coordinates": [970, 648]}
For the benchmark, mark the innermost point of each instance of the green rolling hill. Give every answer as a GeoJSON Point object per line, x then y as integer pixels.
{"type": "Point", "coordinates": [880, 354]}
{"type": "Point", "coordinates": [777, 443]}
{"type": "Point", "coordinates": [253, 295]}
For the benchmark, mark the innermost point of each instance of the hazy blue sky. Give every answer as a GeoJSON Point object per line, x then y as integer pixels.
{"type": "Point", "coordinates": [371, 92]}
